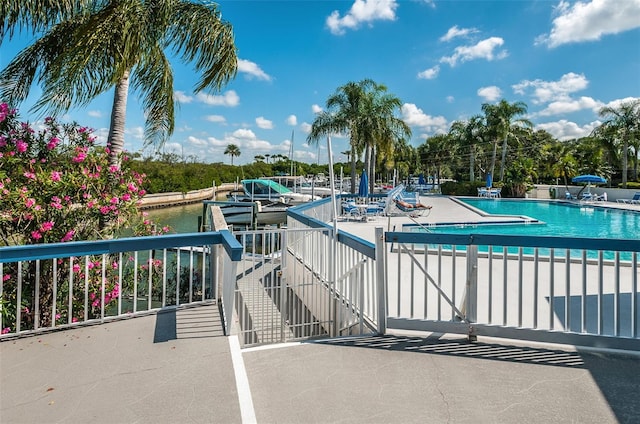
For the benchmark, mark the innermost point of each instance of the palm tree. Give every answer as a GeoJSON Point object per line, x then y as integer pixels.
{"type": "Point", "coordinates": [365, 111]}
{"type": "Point", "coordinates": [468, 134]}
{"type": "Point", "coordinates": [233, 151]}
{"type": "Point", "coordinates": [90, 47]}
{"type": "Point", "coordinates": [500, 121]}
{"type": "Point", "coordinates": [380, 129]}
{"type": "Point", "coordinates": [341, 116]}
{"type": "Point", "coordinates": [624, 122]}
{"type": "Point", "coordinates": [258, 158]}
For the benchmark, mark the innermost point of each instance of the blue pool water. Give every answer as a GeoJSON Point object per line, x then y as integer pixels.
{"type": "Point", "coordinates": [556, 219]}
{"type": "Point", "coordinates": [559, 219]}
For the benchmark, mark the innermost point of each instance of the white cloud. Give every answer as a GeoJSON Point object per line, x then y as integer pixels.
{"type": "Point", "coordinates": [95, 113]}
{"type": "Point", "coordinates": [316, 109]}
{"type": "Point", "coordinates": [454, 32]}
{"type": "Point", "coordinates": [135, 132]}
{"type": "Point", "coordinates": [589, 21]}
{"type": "Point", "coordinates": [229, 99]}
{"type": "Point", "coordinates": [304, 156]}
{"type": "Point", "coordinates": [181, 97]}
{"type": "Point", "coordinates": [570, 105]}
{"type": "Point", "coordinates": [362, 11]}
{"type": "Point", "coordinates": [252, 70]}
{"type": "Point", "coordinates": [173, 147]}
{"type": "Point", "coordinates": [215, 118]}
{"type": "Point", "coordinates": [243, 133]}
{"type": "Point", "coordinates": [263, 123]}
{"type": "Point", "coordinates": [305, 127]}
{"type": "Point", "coordinates": [546, 91]}
{"type": "Point", "coordinates": [415, 117]}
{"type": "Point", "coordinates": [292, 120]}
{"type": "Point", "coordinates": [567, 130]}
{"type": "Point", "coordinates": [485, 49]}
{"type": "Point", "coordinates": [451, 99]}
{"type": "Point", "coordinates": [430, 73]}
{"type": "Point", "coordinates": [616, 103]}
{"type": "Point", "coordinates": [196, 141]}
{"type": "Point", "coordinates": [490, 94]}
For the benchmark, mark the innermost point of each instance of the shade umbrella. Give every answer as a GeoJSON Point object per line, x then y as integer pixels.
{"type": "Point", "coordinates": [363, 188]}
{"type": "Point", "coordinates": [595, 179]}
{"type": "Point", "coordinates": [587, 178]}
{"type": "Point", "coordinates": [489, 180]}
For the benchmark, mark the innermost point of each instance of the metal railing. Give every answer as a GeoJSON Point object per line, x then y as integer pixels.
{"type": "Point", "coordinates": [576, 291]}
{"type": "Point", "coordinates": [56, 285]}
{"type": "Point", "coordinates": [343, 264]}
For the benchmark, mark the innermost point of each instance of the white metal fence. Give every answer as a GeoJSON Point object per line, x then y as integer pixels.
{"type": "Point", "coordinates": [57, 285]}
{"type": "Point", "coordinates": [574, 291]}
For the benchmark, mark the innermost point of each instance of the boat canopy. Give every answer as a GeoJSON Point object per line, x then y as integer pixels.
{"type": "Point", "coordinates": [263, 186]}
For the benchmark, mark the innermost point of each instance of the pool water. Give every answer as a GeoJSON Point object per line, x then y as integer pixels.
{"type": "Point", "coordinates": [557, 219]}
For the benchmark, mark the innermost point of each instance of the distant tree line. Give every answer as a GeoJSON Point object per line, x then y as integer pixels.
{"type": "Point", "coordinates": [170, 172]}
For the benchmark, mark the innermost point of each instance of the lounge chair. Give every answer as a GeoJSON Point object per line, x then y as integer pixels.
{"type": "Point", "coordinates": [635, 200]}
{"type": "Point", "coordinates": [413, 210]}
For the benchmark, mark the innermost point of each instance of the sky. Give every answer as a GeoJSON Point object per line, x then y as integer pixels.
{"type": "Point", "coordinates": [442, 59]}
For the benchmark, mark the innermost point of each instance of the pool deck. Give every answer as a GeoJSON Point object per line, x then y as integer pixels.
{"type": "Point", "coordinates": [178, 367]}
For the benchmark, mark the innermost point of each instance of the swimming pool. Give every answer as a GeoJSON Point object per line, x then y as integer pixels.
{"type": "Point", "coordinates": [557, 219]}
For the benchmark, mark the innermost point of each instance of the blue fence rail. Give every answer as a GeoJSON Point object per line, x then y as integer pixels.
{"type": "Point", "coordinates": [63, 284]}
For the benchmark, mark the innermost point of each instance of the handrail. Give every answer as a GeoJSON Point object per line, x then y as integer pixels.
{"type": "Point", "coordinates": [98, 247]}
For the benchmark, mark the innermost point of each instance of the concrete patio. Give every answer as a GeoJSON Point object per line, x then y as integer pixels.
{"type": "Point", "coordinates": [177, 366]}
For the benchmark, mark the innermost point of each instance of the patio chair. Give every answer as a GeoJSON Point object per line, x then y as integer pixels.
{"type": "Point", "coordinates": [635, 200]}
{"type": "Point", "coordinates": [350, 210]}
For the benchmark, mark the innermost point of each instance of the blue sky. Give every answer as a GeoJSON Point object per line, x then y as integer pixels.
{"type": "Point", "coordinates": [443, 59]}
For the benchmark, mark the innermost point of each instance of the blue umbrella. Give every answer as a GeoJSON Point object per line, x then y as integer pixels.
{"type": "Point", "coordinates": [363, 188]}
{"type": "Point", "coordinates": [421, 180]}
{"type": "Point", "coordinates": [489, 180]}
{"type": "Point", "coordinates": [596, 179]}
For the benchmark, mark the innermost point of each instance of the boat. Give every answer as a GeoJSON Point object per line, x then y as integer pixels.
{"type": "Point", "coordinates": [248, 214]}
{"type": "Point", "coordinates": [264, 189]}
{"type": "Point", "coordinates": [302, 185]}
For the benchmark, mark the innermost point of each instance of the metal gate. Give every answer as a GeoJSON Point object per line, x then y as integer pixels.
{"type": "Point", "coordinates": [286, 288]}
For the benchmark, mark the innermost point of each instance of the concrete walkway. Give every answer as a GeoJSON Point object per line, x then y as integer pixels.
{"type": "Point", "coordinates": [177, 367]}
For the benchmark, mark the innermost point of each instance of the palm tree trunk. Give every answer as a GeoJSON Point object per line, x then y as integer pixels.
{"type": "Point", "coordinates": [372, 174]}
{"type": "Point", "coordinates": [493, 157]}
{"type": "Point", "coordinates": [625, 157]}
{"type": "Point", "coordinates": [472, 165]}
{"type": "Point", "coordinates": [115, 140]}
{"type": "Point", "coordinates": [504, 158]}
{"type": "Point", "coordinates": [353, 170]}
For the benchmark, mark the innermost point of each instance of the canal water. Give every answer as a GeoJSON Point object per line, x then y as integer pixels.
{"type": "Point", "coordinates": [181, 219]}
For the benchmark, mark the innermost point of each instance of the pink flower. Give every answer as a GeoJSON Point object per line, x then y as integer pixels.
{"type": "Point", "coordinates": [30, 175]}
{"type": "Point", "coordinates": [6, 277]}
{"type": "Point", "coordinates": [79, 158]}
{"type": "Point", "coordinates": [104, 210]}
{"type": "Point", "coordinates": [76, 268]}
{"type": "Point", "coordinates": [53, 143]}
{"type": "Point", "coordinates": [21, 146]}
{"type": "Point", "coordinates": [30, 202]}
{"type": "Point", "coordinates": [115, 200]}
{"type": "Point", "coordinates": [5, 330]}
{"type": "Point", "coordinates": [68, 236]}
{"type": "Point", "coordinates": [36, 235]}
{"type": "Point", "coordinates": [126, 197]}
{"type": "Point", "coordinates": [74, 319]}
{"type": "Point", "coordinates": [55, 176]}
{"type": "Point", "coordinates": [46, 226]}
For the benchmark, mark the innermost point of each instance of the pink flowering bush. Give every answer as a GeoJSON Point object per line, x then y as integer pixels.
{"type": "Point", "coordinates": [56, 185]}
